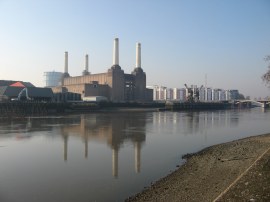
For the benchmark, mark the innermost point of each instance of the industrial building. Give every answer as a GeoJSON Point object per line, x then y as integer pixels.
{"type": "Point", "coordinates": [20, 90]}
{"type": "Point", "coordinates": [114, 84]}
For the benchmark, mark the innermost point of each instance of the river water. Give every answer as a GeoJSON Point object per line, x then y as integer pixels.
{"type": "Point", "coordinates": [108, 156]}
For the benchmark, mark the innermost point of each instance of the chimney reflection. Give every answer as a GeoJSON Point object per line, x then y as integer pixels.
{"type": "Point", "coordinates": [115, 162]}
{"type": "Point", "coordinates": [108, 129]}
{"type": "Point", "coordinates": [84, 134]}
{"type": "Point", "coordinates": [137, 149]}
{"type": "Point", "coordinates": [65, 137]}
{"type": "Point", "coordinates": [86, 147]}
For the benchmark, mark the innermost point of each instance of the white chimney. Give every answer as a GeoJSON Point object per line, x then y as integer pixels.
{"type": "Point", "coordinates": [138, 55]}
{"type": "Point", "coordinates": [66, 62]}
{"type": "Point", "coordinates": [86, 62]}
{"type": "Point", "coordinates": [116, 52]}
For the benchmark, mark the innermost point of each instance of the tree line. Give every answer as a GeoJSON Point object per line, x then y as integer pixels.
{"type": "Point", "coordinates": [266, 76]}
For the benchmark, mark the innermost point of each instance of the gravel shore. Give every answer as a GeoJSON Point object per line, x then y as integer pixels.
{"type": "Point", "coordinates": [238, 170]}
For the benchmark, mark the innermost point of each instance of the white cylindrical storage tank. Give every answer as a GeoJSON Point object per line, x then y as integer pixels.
{"type": "Point", "coordinates": [52, 79]}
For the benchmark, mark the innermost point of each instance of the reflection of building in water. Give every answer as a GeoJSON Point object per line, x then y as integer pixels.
{"type": "Point", "coordinates": [114, 129]}
{"type": "Point", "coordinates": [193, 122]}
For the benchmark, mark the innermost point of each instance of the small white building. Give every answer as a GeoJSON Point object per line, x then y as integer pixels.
{"type": "Point", "coordinates": [208, 94]}
{"type": "Point", "coordinates": [215, 94]}
{"type": "Point", "coordinates": [183, 94]}
{"type": "Point", "coordinates": [159, 92]}
{"type": "Point", "coordinates": [179, 94]}
{"type": "Point", "coordinates": [222, 95]}
{"type": "Point", "coordinates": [169, 94]}
{"type": "Point", "coordinates": [176, 94]}
{"type": "Point", "coordinates": [202, 94]}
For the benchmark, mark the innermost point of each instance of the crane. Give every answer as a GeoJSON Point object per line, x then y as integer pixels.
{"type": "Point", "coordinates": [21, 94]}
{"type": "Point", "coordinates": [193, 93]}
{"type": "Point", "coordinates": [196, 93]}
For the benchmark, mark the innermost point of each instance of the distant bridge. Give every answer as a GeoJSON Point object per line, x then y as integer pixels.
{"type": "Point", "coordinates": [249, 103]}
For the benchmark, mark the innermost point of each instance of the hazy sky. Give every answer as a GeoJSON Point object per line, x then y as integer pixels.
{"type": "Point", "coordinates": [182, 40]}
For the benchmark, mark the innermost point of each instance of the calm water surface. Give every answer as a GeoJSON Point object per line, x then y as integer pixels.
{"type": "Point", "coordinates": [108, 156]}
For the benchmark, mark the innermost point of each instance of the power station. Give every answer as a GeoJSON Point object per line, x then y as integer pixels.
{"type": "Point", "coordinates": [115, 85]}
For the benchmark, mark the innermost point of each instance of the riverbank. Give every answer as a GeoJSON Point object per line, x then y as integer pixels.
{"type": "Point", "coordinates": [238, 170]}
{"type": "Point", "coordinates": [25, 109]}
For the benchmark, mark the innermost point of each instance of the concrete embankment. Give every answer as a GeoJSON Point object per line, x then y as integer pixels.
{"type": "Point", "coordinates": [180, 106]}
{"type": "Point", "coordinates": [22, 109]}
{"type": "Point", "coordinates": [234, 171]}
{"type": "Point", "coordinates": [28, 108]}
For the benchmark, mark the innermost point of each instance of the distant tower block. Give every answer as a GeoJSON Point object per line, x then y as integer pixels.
{"type": "Point", "coordinates": [86, 71]}
{"type": "Point", "coordinates": [66, 74]}
{"type": "Point", "coordinates": [116, 52]}
{"type": "Point", "coordinates": [138, 55]}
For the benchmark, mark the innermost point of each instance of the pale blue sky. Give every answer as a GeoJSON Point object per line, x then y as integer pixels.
{"type": "Point", "coordinates": [182, 40]}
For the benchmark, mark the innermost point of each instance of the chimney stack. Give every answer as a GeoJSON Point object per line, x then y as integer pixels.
{"type": "Point", "coordinates": [138, 55]}
{"type": "Point", "coordinates": [66, 62]}
{"type": "Point", "coordinates": [116, 52]}
{"type": "Point", "coordinates": [86, 62]}
{"type": "Point", "coordinates": [85, 71]}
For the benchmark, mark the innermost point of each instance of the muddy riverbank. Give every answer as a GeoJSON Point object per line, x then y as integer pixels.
{"type": "Point", "coordinates": [226, 172]}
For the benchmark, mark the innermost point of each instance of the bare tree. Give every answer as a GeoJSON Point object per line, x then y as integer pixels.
{"type": "Point", "coordinates": [266, 76]}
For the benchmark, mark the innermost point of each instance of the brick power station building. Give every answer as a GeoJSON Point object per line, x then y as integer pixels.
{"type": "Point", "coordinates": [114, 84]}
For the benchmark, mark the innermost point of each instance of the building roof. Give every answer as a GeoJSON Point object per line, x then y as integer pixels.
{"type": "Point", "coordinates": [15, 83]}
{"type": "Point", "coordinates": [35, 92]}
{"type": "Point", "coordinates": [10, 91]}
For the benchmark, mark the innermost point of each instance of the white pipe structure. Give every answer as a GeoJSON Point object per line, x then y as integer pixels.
{"type": "Point", "coordinates": [116, 52]}
{"type": "Point", "coordinates": [66, 62]}
{"type": "Point", "coordinates": [138, 55]}
{"type": "Point", "coordinates": [86, 63]}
